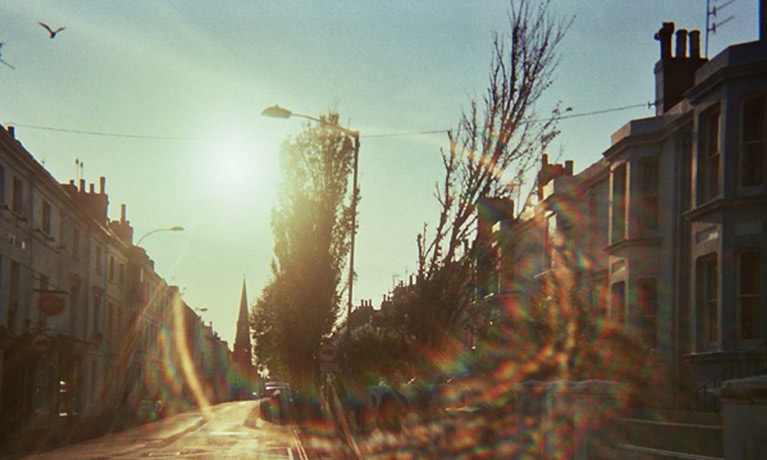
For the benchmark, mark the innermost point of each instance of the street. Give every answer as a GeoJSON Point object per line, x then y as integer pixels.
{"type": "Point", "coordinates": [227, 431]}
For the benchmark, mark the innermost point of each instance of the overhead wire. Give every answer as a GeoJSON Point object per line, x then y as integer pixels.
{"type": "Point", "coordinates": [395, 134]}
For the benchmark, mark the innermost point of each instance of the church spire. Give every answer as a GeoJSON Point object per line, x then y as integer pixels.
{"type": "Point", "coordinates": [242, 348]}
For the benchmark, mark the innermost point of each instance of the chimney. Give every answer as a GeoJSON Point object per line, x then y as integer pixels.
{"type": "Point", "coordinates": [681, 43]}
{"type": "Point", "coordinates": [674, 75]}
{"type": "Point", "coordinates": [569, 168]}
{"type": "Point", "coordinates": [122, 213]}
{"type": "Point", "coordinates": [82, 185]}
{"type": "Point", "coordinates": [93, 189]}
{"type": "Point", "coordinates": [694, 44]}
{"type": "Point", "coordinates": [12, 131]}
{"type": "Point", "coordinates": [664, 36]}
{"type": "Point", "coordinates": [102, 185]}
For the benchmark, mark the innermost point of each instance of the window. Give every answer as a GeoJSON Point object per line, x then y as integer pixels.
{"type": "Point", "coordinates": [98, 261]}
{"type": "Point", "coordinates": [17, 196]}
{"type": "Point", "coordinates": [707, 290]}
{"type": "Point", "coordinates": [46, 222]}
{"type": "Point", "coordinates": [44, 282]}
{"type": "Point", "coordinates": [75, 244]}
{"type": "Point", "coordinates": [550, 241]}
{"type": "Point", "coordinates": [2, 186]}
{"type": "Point", "coordinates": [96, 307]}
{"type": "Point", "coordinates": [618, 232]}
{"type": "Point", "coordinates": [750, 295]}
{"type": "Point", "coordinates": [685, 186]}
{"type": "Point", "coordinates": [708, 156]}
{"type": "Point", "coordinates": [618, 302]}
{"type": "Point", "coordinates": [74, 292]}
{"type": "Point", "coordinates": [649, 190]}
{"type": "Point", "coordinates": [647, 300]}
{"type": "Point", "coordinates": [14, 289]}
{"type": "Point", "coordinates": [752, 142]}
{"type": "Point", "coordinates": [111, 268]}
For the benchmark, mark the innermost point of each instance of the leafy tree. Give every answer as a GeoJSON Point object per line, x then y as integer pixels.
{"type": "Point", "coordinates": [311, 226]}
{"type": "Point", "coordinates": [499, 139]}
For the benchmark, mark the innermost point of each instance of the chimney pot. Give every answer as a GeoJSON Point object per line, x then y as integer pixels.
{"type": "Point", "coordinates": [664, 36]}
{"type": "Point", "coordinates": [569, 168]}
{"type": "Point", "coordinates": [681, 43]}
{"type": "Point", "coordinates": [122, 213]}
{"type": "Point", "coordinates": [82, 185]}
{"type": "Point", "coordinates": [92, 188]}
{"type": "Point", "coordinates": [102, 184]}
{"type": "Point", "coordinates": [694, 44]}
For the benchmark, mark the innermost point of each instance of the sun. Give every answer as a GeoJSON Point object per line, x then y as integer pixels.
{"type": "Point", "coordinates": [239, 168]}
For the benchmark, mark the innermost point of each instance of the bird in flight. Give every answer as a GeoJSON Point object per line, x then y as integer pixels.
{"type": "Point", "coordinates": [1, 57]}
{"type": "Point", "coordinates": [51, 31]}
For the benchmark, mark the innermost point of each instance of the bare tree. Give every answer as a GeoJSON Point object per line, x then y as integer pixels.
{"type": "Point", "coordinates": [499, 139]}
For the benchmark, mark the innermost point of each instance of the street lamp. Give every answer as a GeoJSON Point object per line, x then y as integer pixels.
{"type": "Point", "coordinates": [280, 112]}
{"type": "Point", "coordinates": [177, 228]}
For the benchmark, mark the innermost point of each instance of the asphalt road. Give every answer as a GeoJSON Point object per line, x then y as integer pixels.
{"type": "Point", "coordinates": [227, 431]}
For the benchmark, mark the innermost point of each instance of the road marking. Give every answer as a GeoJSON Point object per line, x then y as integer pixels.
{"type": "Point", "coordinates": [229, 433]}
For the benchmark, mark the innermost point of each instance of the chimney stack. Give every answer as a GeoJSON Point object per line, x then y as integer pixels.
{"type": "Point", "coordinates": [82, 185]}
{"type": "Point", "coordinates": [122, 213]}
{"type": "Point", "coordinates": [12, 131]}
{"type": "Point", "coordinates": [674, 75]}
{"type": "Point", "coordinates": [102, 185]}
{"type": "Point", "coordinates": [569, 167]}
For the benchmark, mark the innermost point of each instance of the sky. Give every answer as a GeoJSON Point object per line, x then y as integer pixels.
{"type": "Point", "coordinates": [188, 80]}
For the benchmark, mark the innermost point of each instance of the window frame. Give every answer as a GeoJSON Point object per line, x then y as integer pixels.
{"type": "Point", "coordinates": [757, 295]}
{"type": "Point", "coordinates": [618, 303]}
{"type": "Point", "coordinates": [649, 193]}
{"type": "Point", "coordinates": [17, 195]}
{"type": "Point", "coordinates": [619, 203]}
{"type": "Point", "coordinates": [46, 219]}
{"type": "Point", "coordinates": [759, 143]}
{"type": "Point", "coordinates": [708, 306]}
{"type": "Point", "coordinates": [647, 311]}
{"type": "Point", "coordinates": [709, 167]}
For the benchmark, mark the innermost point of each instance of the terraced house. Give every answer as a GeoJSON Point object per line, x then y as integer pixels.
{"type": "Point", "coordinates": [83, 313]}
{"type": "Point", "coordinates": [667, 233]}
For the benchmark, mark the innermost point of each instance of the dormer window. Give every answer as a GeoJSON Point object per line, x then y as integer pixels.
{"type": "Point", "coordinates": [753, 134]}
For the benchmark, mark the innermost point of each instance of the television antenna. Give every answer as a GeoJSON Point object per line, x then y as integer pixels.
{"type": "Point", "coordinates": [711, 12]}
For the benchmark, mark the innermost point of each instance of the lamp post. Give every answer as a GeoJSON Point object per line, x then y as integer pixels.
{"type": "Point", "coordinates": [177, 228]}
{"type": "Point", "coordinates": [280, 112]}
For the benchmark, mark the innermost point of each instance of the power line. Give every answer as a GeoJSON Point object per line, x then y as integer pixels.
{"type": "Point", "coordinates": [101, 133]}
{"type": "Point", "coordinates": [398, 134]}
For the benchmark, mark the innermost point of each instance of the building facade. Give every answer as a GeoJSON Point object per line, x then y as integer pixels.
{"type": "Point", "coordinates": [85, 321]}
{"type": "Point", "coordinates": [666, 234]}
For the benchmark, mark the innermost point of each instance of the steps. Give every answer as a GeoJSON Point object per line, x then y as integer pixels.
{"type": "Point", "coordinates": [653, 434]}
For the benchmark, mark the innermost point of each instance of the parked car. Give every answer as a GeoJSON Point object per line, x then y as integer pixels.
{"type": "Point", "coordinates": [276, 402]}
